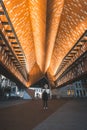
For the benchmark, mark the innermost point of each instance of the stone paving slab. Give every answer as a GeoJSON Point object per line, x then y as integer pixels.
{"type": "Point", "coordinates": [71, 116]}
{"type": "Point", "coordinates": [9, 103]}
{"type": "Point", "coordinates": [26, 115]}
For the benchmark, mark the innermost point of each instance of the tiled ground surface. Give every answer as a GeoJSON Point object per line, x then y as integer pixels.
{"type": "Point", "coordinates": [62, 114]}
{"type": "Point", "coordinates": [71, 116]}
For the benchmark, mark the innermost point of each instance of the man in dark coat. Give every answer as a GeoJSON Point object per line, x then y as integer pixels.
{"type": "Point", "coordinates": [45, 99]}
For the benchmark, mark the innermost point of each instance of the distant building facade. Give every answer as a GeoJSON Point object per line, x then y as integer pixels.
{"type": "Point", "coordinates": [76, 89]}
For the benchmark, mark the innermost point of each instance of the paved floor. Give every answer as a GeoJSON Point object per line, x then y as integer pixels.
{"type": "Point", "coordinates": [9, 103]}
{"type": "Point", "coordinates": [71, 116]}
{"type": "Point", "coordinates": [62, 114]}
{"type": "Point", "coordinates": [16, 115]}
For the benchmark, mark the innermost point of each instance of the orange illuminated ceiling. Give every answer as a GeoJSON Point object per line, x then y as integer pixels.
{"type": "Point", "coordinates": [47, 30]}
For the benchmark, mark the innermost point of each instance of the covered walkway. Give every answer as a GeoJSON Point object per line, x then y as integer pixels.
{"type": "Point", "coordinates": [43, 39]}
{"type": "Point", "coordinates": [62, 114]}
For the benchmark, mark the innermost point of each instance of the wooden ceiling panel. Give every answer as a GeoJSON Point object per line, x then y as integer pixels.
{"type": "Point", "coordinates": [54, 10]}
{"type": "Point", "coordinates": [46, 30]}
{"type": "Point", "coordinates": [35, 74]}
{"type": "Point", "coordinates": [19, 14]}
{"type": "Point", "coordinates": [72, 25]}
{"type": "Point", "coordinates": [38, 20]}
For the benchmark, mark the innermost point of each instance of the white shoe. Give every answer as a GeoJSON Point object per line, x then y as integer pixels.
{"type": "Point", "coordinates": [46, 107]}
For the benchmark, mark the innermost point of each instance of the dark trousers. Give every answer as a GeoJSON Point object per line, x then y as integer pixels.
{"type": "Point", "coordinates": [45, 104]}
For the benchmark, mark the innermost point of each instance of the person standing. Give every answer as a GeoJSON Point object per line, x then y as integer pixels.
{"type": "Point", "coordinates": [45, 99]}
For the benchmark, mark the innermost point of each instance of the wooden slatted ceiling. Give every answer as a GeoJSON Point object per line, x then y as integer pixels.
{"type": "Point", "coordinates": [38, 21]}
{"type": "Point", "coordinates": [47, 29]}
{"type": "Point", "coordinates": [72, 25]}
{"type": "Point", "coordinates": [20, 18]}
